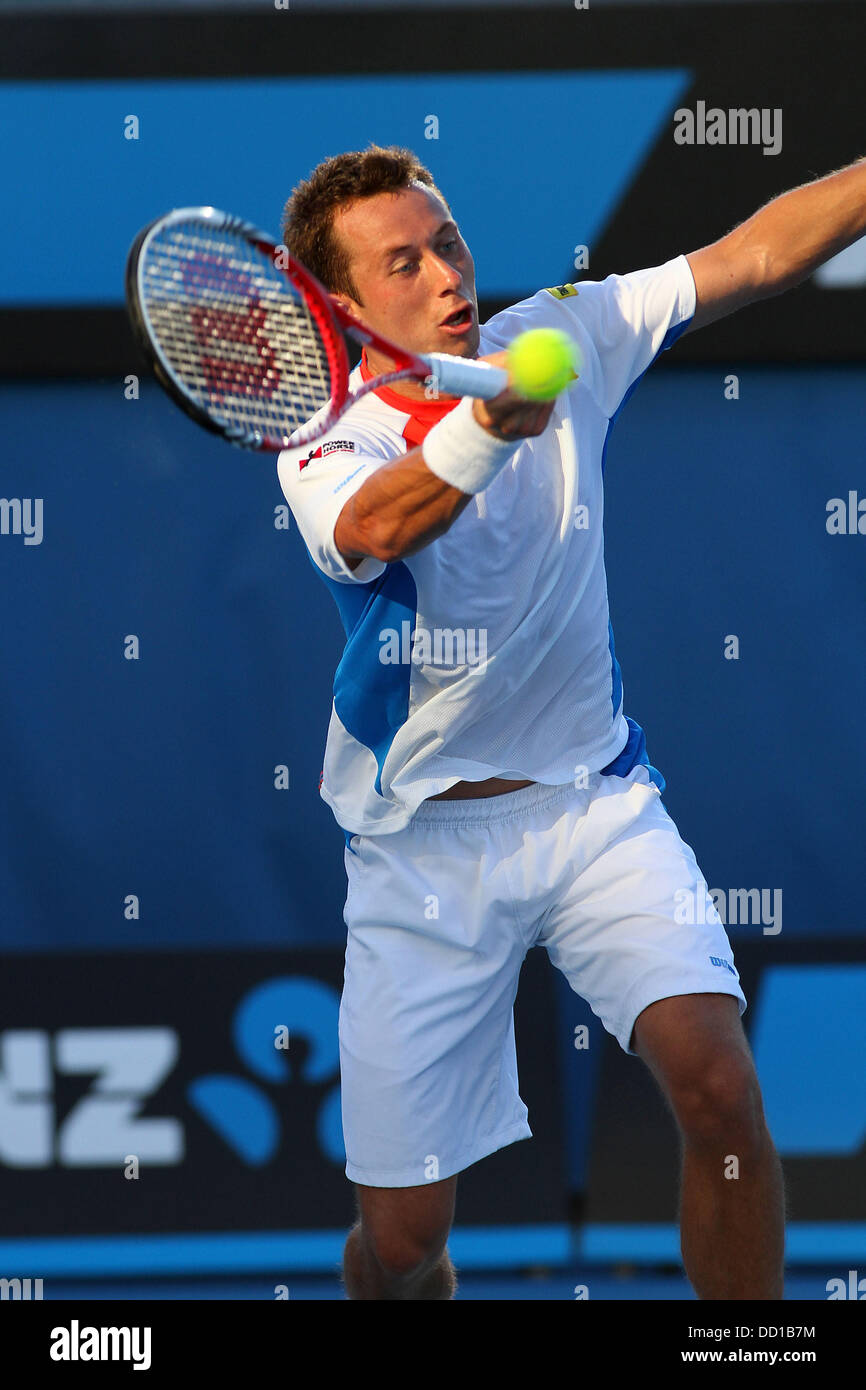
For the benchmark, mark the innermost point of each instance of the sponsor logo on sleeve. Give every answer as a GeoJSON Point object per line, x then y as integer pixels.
{"type": "Point", "coordinates": [330, 446]}
{"type": "Point", "coordinates": [343, 481]}
{"type": "Point", "coordinates": [562, 291]}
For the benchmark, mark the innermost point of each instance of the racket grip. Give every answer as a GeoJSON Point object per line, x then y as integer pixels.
{"type": "Point", "coordinates": [461, 376]}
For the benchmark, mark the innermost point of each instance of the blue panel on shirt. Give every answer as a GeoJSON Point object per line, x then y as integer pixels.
{"type": "Point", "coordinates": [616, 674]}
{"type": "Point", "coordinates": [371, 697]}
{"type": "Point", "coordinates": [633, 754]}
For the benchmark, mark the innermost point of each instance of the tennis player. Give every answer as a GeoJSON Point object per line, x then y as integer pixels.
{"type": "Point", "coordinates": [493, 794]}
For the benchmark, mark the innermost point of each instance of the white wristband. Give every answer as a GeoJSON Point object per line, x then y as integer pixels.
{"type": "Point", "coordinates": [461, 452]}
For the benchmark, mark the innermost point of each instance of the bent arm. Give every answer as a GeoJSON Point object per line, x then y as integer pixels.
{"type": "Point", "coordinates": [404, 505]}
{"type": "Point", "coordinates": [780, 245]}
{"type": "Point", "coordinates": [401, 508]}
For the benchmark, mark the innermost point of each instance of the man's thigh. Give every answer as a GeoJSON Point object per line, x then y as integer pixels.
{"type": "Point", "coordinates": [687, 1041]}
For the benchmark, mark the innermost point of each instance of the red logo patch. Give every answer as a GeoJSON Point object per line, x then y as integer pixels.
{"type": "Point", "coordinates": [330, 446]}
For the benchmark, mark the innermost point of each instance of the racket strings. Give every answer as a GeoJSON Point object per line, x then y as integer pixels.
{"type": "Point", "coordinates": [235, 332]}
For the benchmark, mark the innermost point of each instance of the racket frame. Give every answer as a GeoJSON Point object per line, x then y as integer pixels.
{"type": "Point", "coordinates": [462, 375]}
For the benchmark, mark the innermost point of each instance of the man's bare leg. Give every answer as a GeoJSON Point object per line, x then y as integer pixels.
{"type": "Point", "coordinates": [398, 1247]}
{"type": "Point", "coordinates": [732, 1200]}
{"type": "Point", "coordinates": [733, 1229]}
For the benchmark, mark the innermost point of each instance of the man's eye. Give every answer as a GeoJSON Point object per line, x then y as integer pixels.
{"type": "Point", "coordinates": [409, 265]}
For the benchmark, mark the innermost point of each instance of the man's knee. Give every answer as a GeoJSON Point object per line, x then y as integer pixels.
{"type": "Point", "coordinates": [401, 1256]}
{"type": "Point", "coordinates": [721, 1102]}
{"type": "Point", "coordinates": [405, 1230]}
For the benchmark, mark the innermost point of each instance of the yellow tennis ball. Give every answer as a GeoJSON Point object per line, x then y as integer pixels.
{"type": "Point", "coordinates": [542, 362]}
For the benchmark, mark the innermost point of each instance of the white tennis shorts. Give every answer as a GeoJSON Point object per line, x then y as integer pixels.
{"type": "Point", "coordinates": [440, 917]}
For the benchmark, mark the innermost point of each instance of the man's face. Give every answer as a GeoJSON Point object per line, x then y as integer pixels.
{"type": "Point", "coordinates": [413, 272]}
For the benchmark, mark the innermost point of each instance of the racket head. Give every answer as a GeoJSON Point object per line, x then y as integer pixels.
{"type": "Point", "coordinates": [239, 334]}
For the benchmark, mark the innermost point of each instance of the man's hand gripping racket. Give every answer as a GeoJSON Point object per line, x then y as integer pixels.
{"type": "Point", "coordinates": [249, 344]}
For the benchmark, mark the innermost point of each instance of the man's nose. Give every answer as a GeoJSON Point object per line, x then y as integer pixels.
{"type": "Point", "coordinates": [448, 273]}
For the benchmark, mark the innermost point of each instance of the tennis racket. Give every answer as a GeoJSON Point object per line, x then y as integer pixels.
{"type": "Point", "coordinates": [249, 344]}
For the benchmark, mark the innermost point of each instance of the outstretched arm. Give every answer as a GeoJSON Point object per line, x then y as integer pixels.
{"type": "Point", "coordinates": [779, 245]}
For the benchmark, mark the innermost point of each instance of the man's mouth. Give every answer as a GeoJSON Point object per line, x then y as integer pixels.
{"type": "Point", "coordinates": [460, 319]}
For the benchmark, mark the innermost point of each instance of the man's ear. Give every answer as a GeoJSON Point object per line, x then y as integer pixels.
{"type": "Point", "coordinates": [348, 305]}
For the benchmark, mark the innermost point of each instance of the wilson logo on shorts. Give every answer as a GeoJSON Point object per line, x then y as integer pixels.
{"type": "Point", "coordinates": [726, 965]}
{"type": "Point", "coordinates": [331, 446]}
{"type": "Point", "coordinates": [562, 291]}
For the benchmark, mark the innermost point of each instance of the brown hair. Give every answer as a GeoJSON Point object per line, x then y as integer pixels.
{"type": "Point", "coordinates": [308, 219]}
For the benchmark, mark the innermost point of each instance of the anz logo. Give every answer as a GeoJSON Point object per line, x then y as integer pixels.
{"type": "Point", "coordinates": [236, 1107]}
{"type": "Point", "coordinates": [105, 1126]}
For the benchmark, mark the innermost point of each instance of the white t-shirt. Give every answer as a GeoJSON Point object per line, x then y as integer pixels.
{"type": "Point", "coordinates": [489, 652]}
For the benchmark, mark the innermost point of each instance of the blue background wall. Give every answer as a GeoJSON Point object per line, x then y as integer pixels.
{"type": "Point", "coordinates": [201, 141]}
{"type": "Point", "coordinates": [156, 776]}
